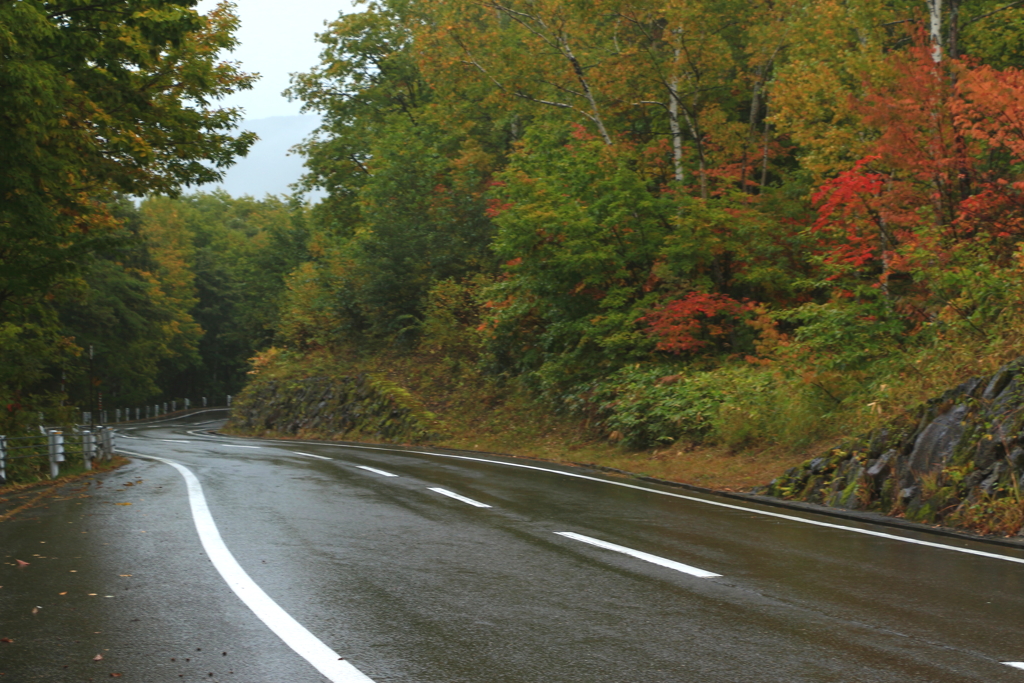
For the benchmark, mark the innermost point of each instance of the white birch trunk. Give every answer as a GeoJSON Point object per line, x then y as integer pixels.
{"type": "Point", "coordinates": [935, 28]}
{"type": "Point", "coordinates": [677, 130]}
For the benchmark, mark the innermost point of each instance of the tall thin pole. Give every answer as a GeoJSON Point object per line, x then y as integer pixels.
{"type": "Point", "coordinates": [92, 390]}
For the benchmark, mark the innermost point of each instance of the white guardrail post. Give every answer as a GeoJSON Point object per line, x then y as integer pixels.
{"type": "Point", "coordinates": [88, 448]}
{"type": "Point", "coordinates": [55, 441]}
{"type": "Point", "coordinates": [108, 443]}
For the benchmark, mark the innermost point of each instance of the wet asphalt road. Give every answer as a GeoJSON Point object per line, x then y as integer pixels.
{"type": "Point", "coordinates": [411, 585]}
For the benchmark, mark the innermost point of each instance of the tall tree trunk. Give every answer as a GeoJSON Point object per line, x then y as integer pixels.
{"type": "Point", "coordinates": [677, 130]}
{"type": "Point", "coordinates": [581, 76]}
{"type": "Point", "coordinates": [755, 108]}
{"type": "Point", "coordinates": [935, 28]}
{"type": "Point", "coordinates": [764, 152]}
{"type": "Point", "coordinates": [698, 139]}
{"type": "Point", "coordinates": [953, 42]}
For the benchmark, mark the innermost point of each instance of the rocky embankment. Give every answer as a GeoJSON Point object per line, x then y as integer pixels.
{"type": "Point", "coordinates": [357, 407]}
{"type": "Point", "coordinates": [957, 461]}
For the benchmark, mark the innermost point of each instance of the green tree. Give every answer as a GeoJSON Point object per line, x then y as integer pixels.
{"type": "Point", "coordinates": [97, 98]}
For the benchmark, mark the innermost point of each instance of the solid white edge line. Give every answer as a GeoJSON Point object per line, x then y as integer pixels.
{"type": "Point", "coordinates": [728, 506]}
{"type": "Point", "coordinates": [174, 440]}
{"type": "Point", "coordinates": [1015, 665]}
{"type": "Point", "coordinates": [640, 555]}
{"type": "Point", "coordinates": [321, 457]}
{"type": "Point", "coordinates": [469, 501]}
{"type": "Point", "coordinates": [376, 471]}
{"type": "Point", "coordinates": [295, 635]}
{"type": "Point", "coordinates": [235, 445]}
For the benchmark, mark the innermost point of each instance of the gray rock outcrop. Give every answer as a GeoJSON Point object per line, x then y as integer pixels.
{"type": "Point", "coordinates": [957, 461]}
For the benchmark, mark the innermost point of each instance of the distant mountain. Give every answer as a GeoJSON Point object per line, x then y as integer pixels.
{"type": "Point", "coordinates": [269, 169]}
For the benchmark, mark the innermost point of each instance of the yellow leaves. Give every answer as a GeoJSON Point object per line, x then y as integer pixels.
{"type": "Point", "coordinates": [262, 360]}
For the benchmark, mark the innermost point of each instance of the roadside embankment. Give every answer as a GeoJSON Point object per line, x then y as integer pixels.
{"type": "Point", "coordinates": [358, 406]}
{"type": "Point", "coordinates": [956, 461]}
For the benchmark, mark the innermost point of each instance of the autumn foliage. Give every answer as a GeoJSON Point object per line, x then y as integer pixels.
{"type": "Point", "coordinates": [801, 200]}
{"type": "Point", "coordinates": [694, 322]}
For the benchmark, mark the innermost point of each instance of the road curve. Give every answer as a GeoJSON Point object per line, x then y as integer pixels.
{"type": "Point", "coordinates": [428, 568]}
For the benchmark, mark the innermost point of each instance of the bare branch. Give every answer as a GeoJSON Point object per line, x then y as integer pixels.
{"type": "Point", "coordinates": [995, 11]}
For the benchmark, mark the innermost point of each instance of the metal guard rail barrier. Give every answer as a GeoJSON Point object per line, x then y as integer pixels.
{"type": "Point", "coordinates": [89, 444]}
{"type": "Point", "coordinates": [141, 413]}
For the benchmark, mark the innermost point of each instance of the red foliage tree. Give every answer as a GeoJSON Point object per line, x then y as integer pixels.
{"type": "Point", "coordinates": [695, 321]}
{"type": "Point", "coordinates": [942, 174]}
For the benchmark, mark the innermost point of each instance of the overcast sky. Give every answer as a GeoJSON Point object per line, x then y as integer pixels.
{"type": "Point", "coordinates": [277, 39]}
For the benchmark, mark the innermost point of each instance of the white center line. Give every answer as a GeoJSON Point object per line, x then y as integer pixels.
{"type": "Point", "coordinates": [470, 501]}
{"type": "Point", "coordinates": [1015, 665]}
{"type": "Point", "coordinates": [175, 441]}
{"type": "Point", "coordinates": [310, 455]}
{"type": "Point", "coordinates": [671, 564]}
{"type": "Point", "coordinates": [231, 445]}
{"type": "Point", "coordinates": [294, 634]}
{"type": "Point", "coordinates": [376, 471]}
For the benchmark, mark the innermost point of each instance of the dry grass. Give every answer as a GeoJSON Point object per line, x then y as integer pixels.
{"type": "Point", "coordinates": [713, 467]}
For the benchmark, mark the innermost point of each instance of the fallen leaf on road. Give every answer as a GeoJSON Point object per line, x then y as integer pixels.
{"type": "Point", "coordinates": [115, 675]}
{"type": "Point", "coordinates": [118, 575]}
{"type": "Point", "coordinates": [6, 640]}
{"type": "Point", "coordinates": [64, 593]}
{"type": "Point", "coordinates": [35, 610]}
{"type": "Point", "coordinates": [97, 658]}
{"type": "Point", "coordinates": [122, 503]}
{"type": "Point", "coordinates": [22, 563]}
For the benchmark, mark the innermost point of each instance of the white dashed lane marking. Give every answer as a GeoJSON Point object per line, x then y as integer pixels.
{"type": "Point", "coordinates": [468, 501]}
{"type": "Point", "coordinates": [640, 555]}
{"type": "Point", "coordinates": [310, 455]}
{"type": "Point", "coordinates": [376, 471]}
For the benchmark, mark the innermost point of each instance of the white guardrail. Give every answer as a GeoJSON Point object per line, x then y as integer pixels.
{"type": "Point", "coordinates": [88, 444]}
{"type": "Point", "coordinates": [147, 412]}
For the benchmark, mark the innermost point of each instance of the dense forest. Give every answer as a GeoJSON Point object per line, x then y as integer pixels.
{"type": "Point", "coordinates": [702, 220]}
